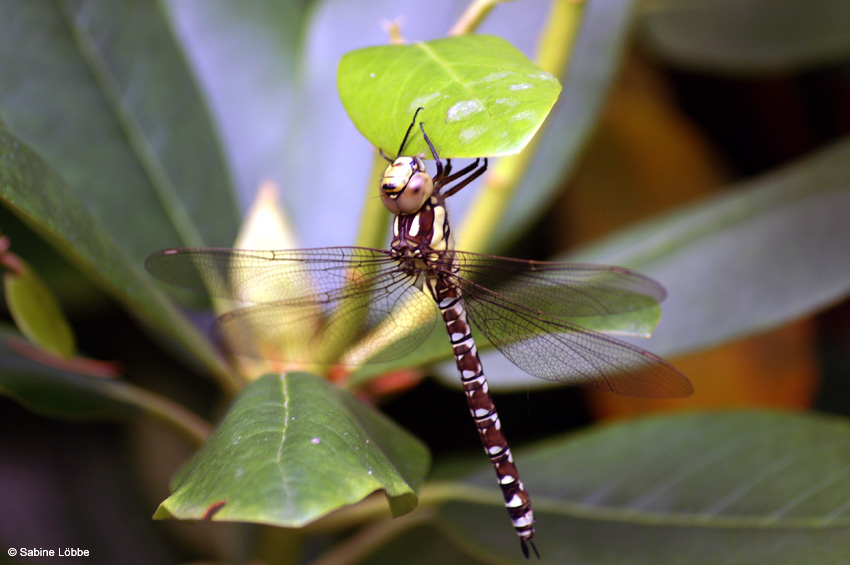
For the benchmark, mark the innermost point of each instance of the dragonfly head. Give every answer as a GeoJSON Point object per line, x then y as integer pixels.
{"type": "Point", "coordinates": [406, 185]}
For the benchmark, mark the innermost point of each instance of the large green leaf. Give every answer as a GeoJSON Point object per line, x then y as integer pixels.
{"type": "Point", "coordinates": [292, 449]}
{"type": "Point", "coordinates": [748, 35]}
{"type": "Point", "coordinates": [748, 487]}
{"type": "Point", "coordinates": [763, 253]}
{"type": "Point", "coordinates": [39, 197]}
{"type": "Point", "coordinates": [481, 96]}
{"type": "Point", "coordinates": [101, 91]}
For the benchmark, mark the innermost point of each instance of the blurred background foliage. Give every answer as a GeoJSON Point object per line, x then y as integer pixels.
{"type": "Point", "coordinates": [674, 103]}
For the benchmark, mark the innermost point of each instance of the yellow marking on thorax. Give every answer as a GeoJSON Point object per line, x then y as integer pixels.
{"type": "Point", "coordinates": [438, 241]}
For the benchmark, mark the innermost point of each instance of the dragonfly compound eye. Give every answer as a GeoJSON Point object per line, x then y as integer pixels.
{"type": "Point", "coordinates": [406, 186]}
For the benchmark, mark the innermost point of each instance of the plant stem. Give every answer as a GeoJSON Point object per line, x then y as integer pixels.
{"type": "Point", "coordinates": [473, 16]}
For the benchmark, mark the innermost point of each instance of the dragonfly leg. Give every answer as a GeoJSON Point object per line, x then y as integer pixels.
{"type": "Point", "coordinates": [477, 173]}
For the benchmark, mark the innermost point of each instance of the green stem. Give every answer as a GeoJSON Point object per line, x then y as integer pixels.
{"type": "Point", "coordinates": [473, 16]}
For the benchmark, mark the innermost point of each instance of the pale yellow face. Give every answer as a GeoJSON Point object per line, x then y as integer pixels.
{"type": "Point", "coordinates": [406, 186]}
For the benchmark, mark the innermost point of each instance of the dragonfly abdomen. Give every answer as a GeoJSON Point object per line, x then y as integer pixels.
{"type": "Point", "coordinates": [483, 411]}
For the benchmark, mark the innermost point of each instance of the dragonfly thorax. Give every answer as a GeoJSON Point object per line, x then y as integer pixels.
{"type": "Point", "coordinates": [423, 233]}
{"type": "Point", "coordinates": [406, 185]}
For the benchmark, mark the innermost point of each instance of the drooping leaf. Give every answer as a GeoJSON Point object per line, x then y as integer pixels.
{"type": "Point", "coordinates": [101, 91]}
{"type": "Point", "coordinates": [748, 487]}
{"type": "Point", "coordinates": [747, 35]}
{"type": "Point", "coordinates": [763, 253]}
{"type": "Point", "coordinates": [292, 449]}
{"type": "Point", "coordinates": [481, 97]}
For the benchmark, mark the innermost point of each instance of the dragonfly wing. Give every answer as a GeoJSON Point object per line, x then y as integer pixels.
{"type": "Point", "coordinates": [268, 276]}
{"type": "Point", "coordinates": [559, 351]}
{"type": "Point", "coordinates": [562, 289]}
{"type": "Point", "coordinates": [320, 328]}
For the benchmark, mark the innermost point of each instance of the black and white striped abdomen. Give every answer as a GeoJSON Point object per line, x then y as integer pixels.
{"type": "Point", "coordinates": [483, 411]}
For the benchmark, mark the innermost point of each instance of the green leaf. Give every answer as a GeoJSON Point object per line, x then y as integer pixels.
{"type": "Point", "coordinates": [748, 35]}
{"type": "Point", "coordinates": [747, 487]}
{"type": "Point", "coordinates": [763, 253]}
{"type": "Point", "coordinates": [481, 96]}
{"type": "Point", "coordinates": [100, 89]}
{"type": "Point", "coordinates": [36, 311]}
{"type": "Point", "coordinates": [58, 392]}
{"type": "Point", "coordinates": [40, 198]}
{"type": "Point", "coordinates": [292, 449]}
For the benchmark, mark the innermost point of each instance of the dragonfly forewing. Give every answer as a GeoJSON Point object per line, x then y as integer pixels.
{"type": "Point", "coordinates": [267, 276]}
{"type": "Point", "coordinates": [314, 304]}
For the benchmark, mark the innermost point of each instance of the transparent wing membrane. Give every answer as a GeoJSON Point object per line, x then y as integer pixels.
{"type": "Point", "coordinates": [314, 305]}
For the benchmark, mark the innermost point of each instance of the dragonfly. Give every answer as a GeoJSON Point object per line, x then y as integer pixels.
{"type": "Point", "coordinates": [310, 303]}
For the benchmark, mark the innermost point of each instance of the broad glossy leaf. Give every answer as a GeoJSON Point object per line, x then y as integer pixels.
{"type": "Point", "coordinates": [748, 35]}
{"type": "Point", "coordinates": [763, 253]}
{"type": "Point", "coordinates": [36, 311]}
{"type": "Point", "coordinates": [481, 96]}
{"type": "Point", "coordinates": [292, 449]}
{"type": "Point", "coordinates": [38, 196]}
{"type": "Point", "coordinates": [58, 392]}
{"type": "Point", "coordinates": [101, 91]}
{"type": "Point", "coordinates": [747, 487]}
